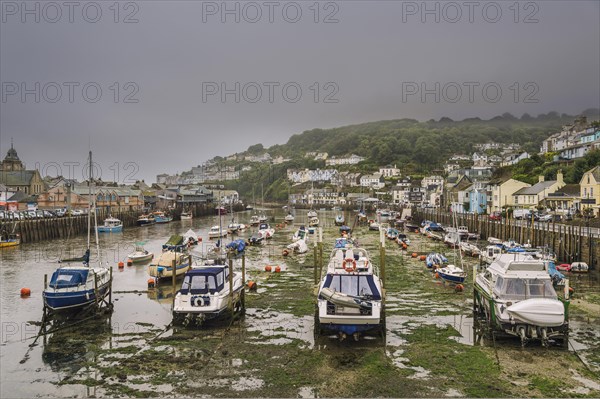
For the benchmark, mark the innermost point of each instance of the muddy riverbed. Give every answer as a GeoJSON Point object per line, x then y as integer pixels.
{"type": "Point", "coordinates": [429, 348]}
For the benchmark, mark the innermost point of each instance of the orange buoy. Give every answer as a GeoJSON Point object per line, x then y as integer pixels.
{"type": "Point", "coordinates": [437, 275]}
{"type": "Point", "coordinates": [285, 252]}
{"type": "Point", "coordinates": [267, 268]}
{"type": "Point", "coordinates": [121, 265]}
{"type": "Point", "coordinates": [277, 269]}
{"type": "Point", "coordinates": [252, 285]}
{"type": "Point", "coordinates": [151, 283]}
{"type": "Point", "coordinates": [423, 257]}
{"type": "Point", "coordinates": [459, 288]}
{"type": "Point", "coordinates": [25, 292]}
{"type": "Point", "coordinates": [404, 246]}
{"type": "Point", "coordinates": [414, 255]}
{"type": "Point", "coordinates": [129, 262]}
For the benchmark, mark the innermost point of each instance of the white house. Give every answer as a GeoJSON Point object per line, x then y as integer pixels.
{"type": "Point", "coordinates": [433, 180]}
{"type": "Point", "coordinates": [514, 159]}
{"type": "Point", "coordinates": [373, 181]}
{"type": "Point", "coordinates": [348, 160]}
{"type": "Point", "coordinates": [389, 171]}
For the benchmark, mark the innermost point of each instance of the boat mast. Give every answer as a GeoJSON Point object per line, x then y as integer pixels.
{"type": "Point", "coordinates": [92, 201]}
{"type": "Point", "coordinates": [89, 218]}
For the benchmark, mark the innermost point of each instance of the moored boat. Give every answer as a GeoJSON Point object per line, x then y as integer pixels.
{"type": "Point", "coordinates": [186, 216]}
{"type": "Point", "coordinates": [140, 254]}
{"type": "Point", "coordinates": [452, 274]}
{"type": "Point", "coordinates": [515, 295]}
{"type": "Point", "coordinates": [313, 221]}
{"type": "Point", "coordinates": [349, 300]}
{"type": "Point", "coordinates": [163, 268]}
{"type": "Point", "coordinates": [146, 220]}
{"type": "Point", "coordinates": [9, 240]}
{"type": "Point", "coordinates": [161, 217]}
{"type": "Point", "coordinates": [289, 218]}
{"type": "Point", "coordinates": [111, 225]}
{"type": "Point", "coordinates": [217, 232]}
{"type": "Point", "coordinates": [340, 220]}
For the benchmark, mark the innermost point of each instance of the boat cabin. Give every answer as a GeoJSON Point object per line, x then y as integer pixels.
{"type": "Point", "coordinates": [204, 280]}
{"type": "Point", "coordinates": [68, 278]}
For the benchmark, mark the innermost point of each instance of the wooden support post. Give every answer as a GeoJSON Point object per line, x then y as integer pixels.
{"type": "Point", "coordinates": [110, 287]}
{"type": "Point", "coordinates": [174, 276]}
{"type": "Point", "coordinates": [96, 293]}
{"type": "Point", "coordinates": [243, 268]}
{"type": "Point", "coordinates": [230, 282]}
{"type": "Point", "coordinates": [315, 263]}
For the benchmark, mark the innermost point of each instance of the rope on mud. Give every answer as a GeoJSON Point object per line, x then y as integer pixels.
{"type": "Point", "coordinates": [579, 357]}
{"type": "Point", "coordinates": [496, 349]}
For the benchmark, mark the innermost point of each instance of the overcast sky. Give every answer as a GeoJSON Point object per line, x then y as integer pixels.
{"type": "Point", "coordinates": [353, 62]}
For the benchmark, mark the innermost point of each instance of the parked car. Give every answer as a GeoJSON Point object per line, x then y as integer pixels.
{"type": "Point", "coordinates": [568, 217]}
{"type": "Point", "coordinates": [76, 212]}
{"type": "Point", "coordinates": [60, 212]}
{"type": "Point", "coordinates": [556, 218]}
{"type": "Point", "coordinates": [546, 218]}
{"type": "Point", "coordinates": [496, 216]}
{"type": "Point", "coordinates": [563, 267]}
{"type": "Point", "coordinates": [521, 213]}
{"type": "Point", "coordinates": [579, 267]}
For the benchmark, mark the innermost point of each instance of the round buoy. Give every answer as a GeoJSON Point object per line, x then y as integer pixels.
{"type": "Point", "coordinates": [121, 265]}
{"type": "Point", "coordinates": [437, 275]}
{"type": "Point", "coordinates": [423, 257]}
{"type": "Point", "coordinates": [277, 269]}
{"type": "Point", "coordinates": [459, 288]}
{"type": "Point", "coordinates": [151, 283]}
{"type": "Point", "coordinates": [129, 262]}
{"type": "Point", "coordinates": [252, 285]}
{"type": "Point", "coordinates": [414, 255]}
{"type": "Point", "coordinates": [285, 252]}
{"type": "Point", "coordinates": [404, 246]}
{"type": "Point", "coordinates": [25, 292]}
{"type": "Point", "coordinates": [199, 239]}
{"type": "Point", "coordinates": [267, 268]}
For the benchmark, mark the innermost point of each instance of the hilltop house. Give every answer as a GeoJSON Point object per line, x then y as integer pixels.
{"type": "Point", "coordinates": [347, 160]}
{"type": "Point", "coordinates": [590, 190]}
{"type": "Point", "coordinates": [389, 171]}
{"type": "Point", "coordinates": [530, 197]}
{"type": "Point", "coordinates": [372, 181]}
{"type": "Point", "coordinates": [513, 159]}
{"type": "Point", "coordinates": [306, 175]}
{"type": "Point", "coordinates": [433, 180]}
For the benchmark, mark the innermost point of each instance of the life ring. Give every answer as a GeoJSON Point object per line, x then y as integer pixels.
{"type": "Point", "coordinates": [347, 268]}
{"type": "Point", "coordinates": [198, 301]}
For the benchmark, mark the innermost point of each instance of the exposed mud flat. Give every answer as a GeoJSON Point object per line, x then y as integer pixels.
{"type": "Point", "coordinates": [429, 348]}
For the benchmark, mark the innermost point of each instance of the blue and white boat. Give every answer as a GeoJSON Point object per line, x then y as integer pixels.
{"type": "Point", "coordinates": [452, 274]}
{"type": "Point", "coordinates": [160, 217]}
{"type": "Point", "coordinates": [349, 301]}
{"type": "Point", "coordinates": [435, 259]}
{"type": "Point", "coordinates": [340, 220]}
{"type": "Point", "coordinates": [73, 288]}
{"type": "Point", "coordinates": [111, 225]}
{"type": "Point", "coordinates": [206, 293]}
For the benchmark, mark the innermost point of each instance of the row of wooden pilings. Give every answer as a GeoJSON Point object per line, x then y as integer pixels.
{"type": "Point", "coordinates": [36, 230]}
{"type": "Point", "coordinates": [570, 243]}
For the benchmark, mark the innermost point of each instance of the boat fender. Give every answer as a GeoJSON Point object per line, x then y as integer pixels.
{"type": "Point", "coordinates": [197, 301]}
{"type": "Point", "coordinates": [351, 268]}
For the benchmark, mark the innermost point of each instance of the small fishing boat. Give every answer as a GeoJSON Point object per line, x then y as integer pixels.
{"type": "Point", "coordinates": [435, 259]}
{"type": "Point", "coordinates": [146, 220]}
{"type": "Point", "coordinates": [256, 238]}
{"type": "Point", "coordinates": [494, 241]}
{"type": "Point", "coordinates": [262, 218]}
{"type": "Point", "coordinates": [469, 249]}
{"type": "Point", "coordinates": [289, 218]}
{"type": "Point", "coordinates": [490, 253]}
{"type": "Point", "coordinates": [452, 274]}
{"type": "Point", "coordinates": [236, 246]}
{"type": "Point", "coordinates": [186, 216]}
{"type": "Point", "coordinates": [233, 228]}
{"type": "Point", "coordinates": [340, 220]}
{"type": "Point", "coordinates": [160, 217]}
{"type": "Point", "coordinates": [163, 268]}
{"type": "Point", "coordinates": [207, 292]}
{"type": "Point", "coordinates": [254, 221]}
{"type": "Point", "coordinates": [579, 267]}
{"type": "Point", "coordinates": [140, 254]}
{"type": "Point", "coordinates": [311, 214]}
{"type": "Point", "coordinates": [391, 233]}
{"type": "Point", "coordinates": [298, 246]}
{"type": "Point", "coordinates": [402, 239]}
{"type": "Point", "coordinates": [111, 225]}
{"type": "Point", "coordinates": [452, 239]}
{"type": "Point", "coordinates": [373, 225]}
{"type": "Point", "coordinates": [217, 232]}
{"type": "Point", "coordinates": [190, 238]}
{"type": "Point", "coordinates": [300, 234]}
{"type": "Point", "coordinates": [174, 243]}
{"type": "Point", "coordinates": [9, 240]}
{"type": "Point", "coordinates": [349, 300]}
{"type": "Point", "coordinates": [249, 207]}
{"type": "Point", "coordinates": [313, 221]}
{"type": "Point", "coordinates": [515, 295]}
{"type": "Point", "coordinates": [73, 288]}
{"type": "Point", "coordinates": [267, 231]}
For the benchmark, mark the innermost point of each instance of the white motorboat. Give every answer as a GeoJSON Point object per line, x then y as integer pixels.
{"type": "Point", "coordinates": [298, 246]}
{"type": "Point", "coordinates": [516, 296]}
{"type": "Point", "coordinates": [289, 218]}
{"type": "Point", "coordinates": [311, 214]}
{"type": "Point", "coordinates": [267, 231]}
{"type": "Point", "coordinates": [217, 232]}
{"type": "Point", "coordinates": [254, 220]}
{"type": "Point", "coordinates": [262, 218]}
{"type": "Point", "coordinates": [300, 234]}
{"type": "Point", "coordinates": [313, 221]}
{"type": "Point", "coordinates": [186, 216]}
{"type": "Point", "coordinates": [140, 254]}
{"type": "Point", "coordinates": [469, 249]}
{"type": "Point", "coordinates": [207, 292]}
{"type": "Point", "coordinates": [163, 268]}
{"type": "Point", "coordinates": [350, 295]}
{"type": "Point", "coordinates": [490, 253]}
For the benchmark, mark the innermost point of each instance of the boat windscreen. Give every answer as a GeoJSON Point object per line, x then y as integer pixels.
{"type": "Point", "coordinates": [203, 283]}
{"type": "Point", "coordinates": [63, 278]}
{"type": "Point", "coordinates": [354, 285]}
{"type": "Point", "coordinates": [519, 288]}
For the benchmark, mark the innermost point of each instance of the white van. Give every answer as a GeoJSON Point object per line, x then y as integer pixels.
{"type": "Point", "coordinates": [521, 213]}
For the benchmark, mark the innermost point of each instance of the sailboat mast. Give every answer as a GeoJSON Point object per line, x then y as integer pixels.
{"type": "Point", "coordinates": [89, 221]}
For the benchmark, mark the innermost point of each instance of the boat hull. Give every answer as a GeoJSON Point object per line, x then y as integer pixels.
{"type": "Point", "coordinates": [111, 229]}
{"type": "Point", "coordinates": [5, 244]}
{"type": "Point", "coordinates": [141, 258]}
{"type": "Point", "coordinates": [72, 300]}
